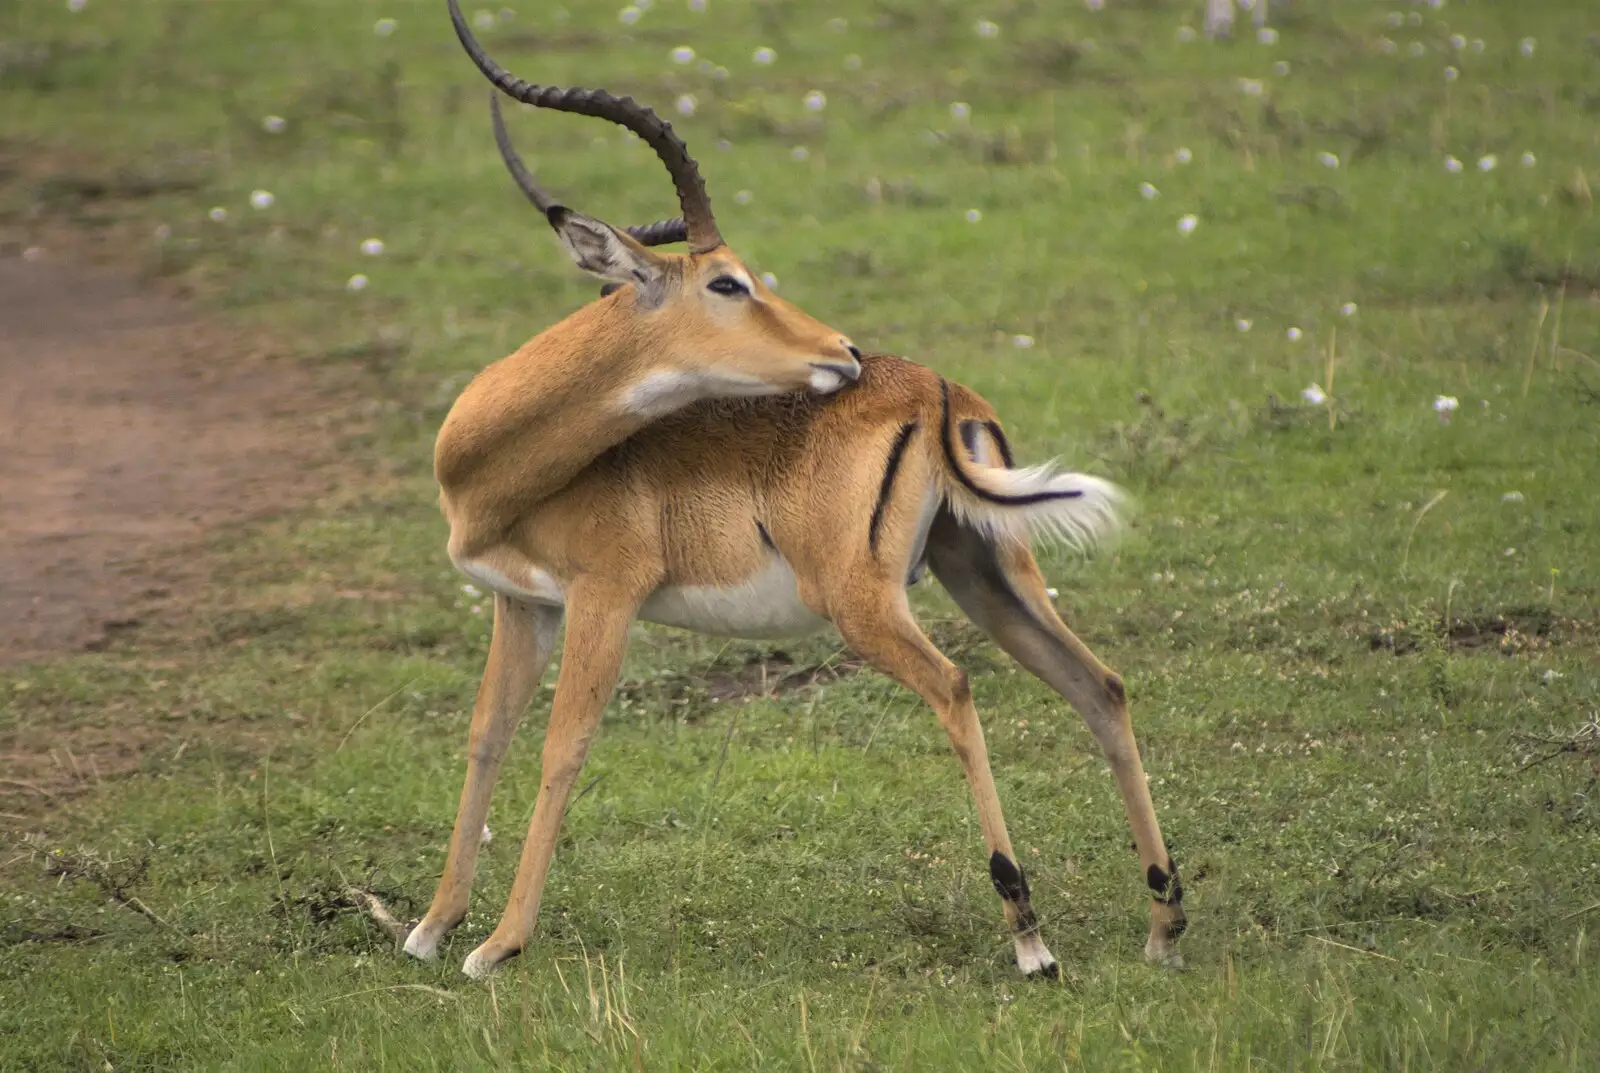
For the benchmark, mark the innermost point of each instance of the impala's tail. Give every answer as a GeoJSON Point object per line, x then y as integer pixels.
{"type": "Point", "coordinates": [1071, 508]}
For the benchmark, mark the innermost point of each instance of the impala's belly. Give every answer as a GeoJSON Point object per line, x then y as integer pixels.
{"type": "Point", "coordinates": [766, 605]}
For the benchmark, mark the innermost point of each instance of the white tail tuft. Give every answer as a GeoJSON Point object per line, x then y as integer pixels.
{"type": "Point", "coordinates": [1066, 508]}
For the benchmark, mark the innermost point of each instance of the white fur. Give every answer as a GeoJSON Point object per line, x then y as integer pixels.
{"type": "Point", "coordinates": [423, 945]}
{"type": "Point", "coordinates": [662, 392]}
{"type": "Point", "coordinates": [766, 605]}
{"type": "Point", "coordinates": [1080, 521]}
{"type": "Point", "coordinates": [537, 586]}
{"type": "Point", "coordinates": [1032, 955]}
{"type": "Point", "coordinates": [478, 966]}
{"type": "Point", "coordinates": [826, 381]}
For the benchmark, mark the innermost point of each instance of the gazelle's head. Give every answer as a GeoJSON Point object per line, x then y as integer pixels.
{"type": "Point", "coordinates": [700, 314]}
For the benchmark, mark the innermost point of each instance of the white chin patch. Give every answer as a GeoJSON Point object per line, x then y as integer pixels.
{"type": "Point", "coordinates": [826, 381]}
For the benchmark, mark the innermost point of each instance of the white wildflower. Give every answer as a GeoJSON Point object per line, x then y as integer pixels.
{"type": "Point", "coordinates": [1244, 324]}
{"type": "Point", "coordinates": [1022, 342]}
{"type": "Point", "coordinates": [1488, 162]}
{"type": "Point", "coordinates": [1348, 309]}
{"type": "Point", "coordinates": [985, 28]}
{"type": "Point", "coordinates": [1452, 165]}
{"type": "Point", "coordinates": [1187, 223]}
{"type": "Point", "coordinates": [799, 153]}
{"type": "Point", "coordinates": [1527, 46]}
{"type": "Point", "coordinates": [357, 282]}
{"type": "Point", "coordinates": [1445, 404]}
{"type": "Point", "coordinates": [1148, 191]}
{"type": "Point", "coordinates": [1328, 160]}
{"type": "Point", "coordinates": [629, 15]}
{"type": "Point", "coordinates": [838, 25]}
{"type": "Point", "coordinates": [683, 54]}
{"type": "Point", "coordinates": [973, 216]}
{"type": "Point", "coordinates": [1267, 35]}
{"type": "Point", "coordinates": [1185, 34]}
{"type": "Point", "coordinates": [217, 214]}
{"type": "Point", "coordinates": [1183, 156]}
{"type": "Point", "coordinates": [261, 199]}
{"type": "Point", "coordinates": [960, 111]}
{"type": "Point", "coordinates": [76, 6]}
{"type": "Point", "coordinates": [1314, 395]}
{"type": "Point", "coordinates": [1451, 74]}
{"type": "Point", "coordinates": [764, 56]}
{"type": "Point", "coordinates": [33, 253]}
{"type": "Point", "coordinates": [372, 247]}
{"type": "Point", "coordinates": [816, 101]}
{"type": "Point", "coordinates": [1417, 50]}
{"type": "Point", "coordinates": [273, 124]}
{"type": "Point", "coordinates": [697, 6]}
{"type": "Point", "coordinates": [1511, 497]}
{"type": "Point", "coordinates": [686, 104]}
{"type": "Point", "coordinates": [1477, 44]}
{"type": "Point", "coordinates": [1529, 160]}
{"type": "Point", "coordinates": [1250, 87]}
{"type": "Point", "coordinates": [384, 27]}
{"type": "Point", "coordinates": [770, 280]}
{"type": "Point", "coordinates": [1295, 335]}
{"type": "Point", "coordinates": [1281, 68]}
{"type": "Point", "coordinates": [743, 197]}
{"type": "Point", "coordinates": [1458, 42]}
{"type": "Point", "coordinates": [1387, 47]}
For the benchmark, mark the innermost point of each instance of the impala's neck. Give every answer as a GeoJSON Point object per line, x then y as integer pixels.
{"type": "Point", "coordinates": [532, 421]}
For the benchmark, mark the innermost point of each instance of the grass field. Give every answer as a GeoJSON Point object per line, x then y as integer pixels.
{"type": "Point", "coordinates": [1342, 624]}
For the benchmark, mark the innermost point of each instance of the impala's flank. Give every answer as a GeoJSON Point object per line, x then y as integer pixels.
{"type": "Point", "coordinates": [602, 492]}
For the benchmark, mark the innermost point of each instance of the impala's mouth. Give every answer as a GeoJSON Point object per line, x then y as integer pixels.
{"type": "Point", "coordinates": [828, 377]}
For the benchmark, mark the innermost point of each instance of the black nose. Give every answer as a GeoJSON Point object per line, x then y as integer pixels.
{"type": "Point", "coordinates": [855, 351]}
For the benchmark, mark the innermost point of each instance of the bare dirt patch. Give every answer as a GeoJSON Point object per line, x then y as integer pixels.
{"type": "Point", "coordinates": [130, 429]}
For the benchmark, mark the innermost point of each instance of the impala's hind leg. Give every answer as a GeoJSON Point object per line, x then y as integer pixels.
{"type": "Point", "coordinates": [1000, 588]}
{"type": "Point", "coordinates": [524, 636]}
{"type": "Point", "coordinates": [597, 637]}
{"type": "Point", "coordinates": [876, 621]}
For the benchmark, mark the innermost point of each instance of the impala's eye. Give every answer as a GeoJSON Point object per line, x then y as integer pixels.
{"type": "Point", "coordinates": [728, 287]}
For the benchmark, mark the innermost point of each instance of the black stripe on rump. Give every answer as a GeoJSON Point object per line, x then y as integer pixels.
{"type": "Point", "coordinates": [896, 452]}
{"type": "Point", "coordinates": [947, 442]}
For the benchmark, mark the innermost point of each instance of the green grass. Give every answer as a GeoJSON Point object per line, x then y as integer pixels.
{"type": "Point", "coordinates": [1331, 684]}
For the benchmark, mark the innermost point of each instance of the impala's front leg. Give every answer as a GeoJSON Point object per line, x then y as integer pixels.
{"type": "Point", "coordinates": [524, 637]}
{"type": "Point", "coordinates": [597, 637]}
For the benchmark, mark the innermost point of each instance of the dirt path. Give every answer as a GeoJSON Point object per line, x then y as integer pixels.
{"type": "Point", "coordinates": [130, 428]}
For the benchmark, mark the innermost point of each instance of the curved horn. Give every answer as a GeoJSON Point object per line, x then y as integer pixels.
{"type": "Point", "coordinates": [701, 225]}
{"type": "Point", "coordinates": [659, 233]}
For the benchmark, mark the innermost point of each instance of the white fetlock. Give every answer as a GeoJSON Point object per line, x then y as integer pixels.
{"type": "Point", "coordinates": [1164, 956]}
{"type": "Point", "coordinates": [480, 965]}
{"type": "Point", "coordinates": [1033, 957]}
{"type": "Point", "coordinates": [423, 943]}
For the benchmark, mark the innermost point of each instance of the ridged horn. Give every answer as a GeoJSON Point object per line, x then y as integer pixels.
{"type": "Point", "coordinates": [659, 233]}
{"type": "Point", "coordinates": [699, 222]}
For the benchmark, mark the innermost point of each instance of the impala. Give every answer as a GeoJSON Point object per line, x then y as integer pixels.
{"type": "Point", "coordinates": [680, 452]}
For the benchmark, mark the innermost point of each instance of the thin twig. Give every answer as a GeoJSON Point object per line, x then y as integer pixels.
{"type": "Point", "coordinates": [379, 913]}
{"type": "Point", "coordinates": [1352, 949]}
{"type": "Point", "coordinates": [434, 991]}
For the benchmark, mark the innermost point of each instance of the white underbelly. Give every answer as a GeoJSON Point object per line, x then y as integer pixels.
{"type": "Point", "coordinates": [766, 605]}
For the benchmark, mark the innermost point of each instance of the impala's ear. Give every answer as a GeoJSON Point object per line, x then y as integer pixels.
{"type": "Point", "coordinates": [601, 249]}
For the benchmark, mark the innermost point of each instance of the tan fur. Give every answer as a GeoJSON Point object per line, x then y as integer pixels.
{"type": "Point", "coordinates": [678, 503]}
{"type": "Point", "coordinates": [528, 424]}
